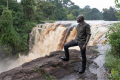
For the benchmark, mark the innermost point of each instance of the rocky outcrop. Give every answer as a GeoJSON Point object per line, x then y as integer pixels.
{"type": "Point", "coordinates": [53, 68]}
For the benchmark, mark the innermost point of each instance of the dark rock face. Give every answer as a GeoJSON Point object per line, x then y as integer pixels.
{"type": "Point", "coordinates": [53, 68]}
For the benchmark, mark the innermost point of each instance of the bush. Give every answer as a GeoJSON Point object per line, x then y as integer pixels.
{"type": "Point", "coordinates": [24, 33]}
{"type": "Point", "coordinates": [8, 34]}
{"type": "Point", "coordinates": [113, 36]}
{"type": "Point", "coordinates": [113, 63]}
{"type": "Point", "coordinates": [112, 59]}
{"type": "Point", "coordinates": [14, 39]}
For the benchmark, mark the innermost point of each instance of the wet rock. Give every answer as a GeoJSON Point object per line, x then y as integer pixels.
{"type": "Point", "coordinates": [52, 67]}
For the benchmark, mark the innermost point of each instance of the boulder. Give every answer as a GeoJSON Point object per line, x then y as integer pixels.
{"type": "Point", "coordinates": [53, 68]}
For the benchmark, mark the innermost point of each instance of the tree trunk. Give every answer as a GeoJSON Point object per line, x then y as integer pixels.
{"type": "Point", "coordinates": [7, 4]}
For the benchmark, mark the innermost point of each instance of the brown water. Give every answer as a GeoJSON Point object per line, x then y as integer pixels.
{"type": "Point", "coordinates": [52, 37]}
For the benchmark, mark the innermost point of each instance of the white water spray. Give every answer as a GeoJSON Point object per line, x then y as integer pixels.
{"type": "Point", "coordinates": [52, 37]}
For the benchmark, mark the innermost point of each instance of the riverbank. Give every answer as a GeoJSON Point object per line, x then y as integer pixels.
{"type": "Point", "coordinates": [112, 60]}
{"type": "Point", "coordinates": [113, 64]}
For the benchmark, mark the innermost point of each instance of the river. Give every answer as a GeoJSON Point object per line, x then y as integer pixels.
{"type": "Point", "coordinates": [52, 37]}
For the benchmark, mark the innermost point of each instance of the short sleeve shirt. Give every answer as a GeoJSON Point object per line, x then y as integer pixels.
{"type": "Point", "coordinates": [82, 31]}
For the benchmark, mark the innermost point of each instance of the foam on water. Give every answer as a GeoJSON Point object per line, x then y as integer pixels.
{"type": "Point", "coordinates": [53, 36]}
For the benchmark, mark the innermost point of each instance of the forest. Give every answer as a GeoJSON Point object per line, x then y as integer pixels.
{"type": "Point", "coordinates": [19, 18]}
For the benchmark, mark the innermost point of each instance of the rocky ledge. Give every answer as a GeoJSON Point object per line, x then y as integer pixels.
{"type": "Point", "coordinates": [53, 68]}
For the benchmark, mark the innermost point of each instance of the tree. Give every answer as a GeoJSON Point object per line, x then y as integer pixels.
{"type": "Point", "coordinates": [86, 11]}
{"type": "Point", "coordinates": [76, 7]}
{"type": "Point", "coordinates": [117, 3]}
{"type": "Point", "coordinates": [118, 6]}
{"type": "Point", "coordinates": [28, 8]}
{"type": "Point", "coordinates": [70, 17]}
{"type": "Point", "coordinates": [91, 14]}
{"type": "Point", "coordinates": [75, 12]}
{"type": "Point", "coordinates": [46, 7]}
{"type": "Point", "coordinates": [110, 14]}
{"type": "Point", "coordinates": [87, 7]}
{"type": "Point", "coordinates": [8, 34]}
{"type": "Point", "coordinates": [60, 12]}
{"type": "Point", "coordinates": [15, 24]}
{"type": "Point", "coordinates": [67, 3]}
{"type": "Point", "coordinates": [7, 4]}
{"type": "Point", "coordinates": [13, 5]}
{"type": "Point", "coordinates": [96, 14]}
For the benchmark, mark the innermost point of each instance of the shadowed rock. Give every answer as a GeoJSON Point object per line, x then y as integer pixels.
{"type": "Point", "coordinates": [52, 67]}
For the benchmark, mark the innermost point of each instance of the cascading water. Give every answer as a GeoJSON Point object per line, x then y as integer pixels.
{"type": "Point", "coordinates": [53, 36]}
{"type": "Point", "coordinates": [42, 42]}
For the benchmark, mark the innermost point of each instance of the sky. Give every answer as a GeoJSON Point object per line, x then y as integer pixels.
{"type": "Point", "coordinates": [99, 4]}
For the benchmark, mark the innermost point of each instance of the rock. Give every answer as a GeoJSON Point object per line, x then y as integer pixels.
{"type": "Point", "coordinates": [52, 67]}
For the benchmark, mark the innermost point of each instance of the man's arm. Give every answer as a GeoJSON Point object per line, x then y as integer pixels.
{"type": "Point", "coordinates": [88, 31]}
{"type": "Point", "coordinates": [88, 37]}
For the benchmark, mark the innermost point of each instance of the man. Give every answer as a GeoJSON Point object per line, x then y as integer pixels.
{"type": "Point", "coordinates": [81, 40]}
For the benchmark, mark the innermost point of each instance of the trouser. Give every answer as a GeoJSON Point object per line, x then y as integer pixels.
{"type": "Point", "coordinates": [83, 52]}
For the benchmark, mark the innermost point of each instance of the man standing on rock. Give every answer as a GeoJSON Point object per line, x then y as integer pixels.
{"type": "Point", "coordinates": [81, 40]}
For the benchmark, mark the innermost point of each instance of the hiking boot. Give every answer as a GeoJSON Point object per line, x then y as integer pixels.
{"type": "Point", "coordinates": [82, 71]}
{"type": "Point", "coordinates": [65, 59]}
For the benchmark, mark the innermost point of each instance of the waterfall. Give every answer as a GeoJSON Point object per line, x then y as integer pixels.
{"type": "Point", "coordinates": [51, 37]}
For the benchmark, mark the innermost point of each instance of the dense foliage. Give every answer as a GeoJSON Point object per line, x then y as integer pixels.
{"type": "Point", "coordinates": [113, 36]}
{"type": "Point", "coordinates": [113, 63]}
{"type": "Point", "coordinates": [45, 9]}
{"type": "Point", "coordinates": [67, 10]}
{"type": "Point", "coordinates": [15, 27]}
{"type": "Point", "coordinates": [91, 14]}
{"type": "Point", "coordinates": [9, 36]}
{"type": "Point", "coordinates": [112, 60]}
{"type": "Point", "coordinates": [17, 22]}
{"type": "Point", "coordinates": [28, 9]}
{"type": "Point", "coordinates": [110, 14]}
{"type": "Point", "coordinates": [113, 55]}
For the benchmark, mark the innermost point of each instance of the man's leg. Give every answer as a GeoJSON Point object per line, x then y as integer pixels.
{"type": "Point", "coordinates": [83, 54]}
{"type": "Point", "coordinates": [66, 46]}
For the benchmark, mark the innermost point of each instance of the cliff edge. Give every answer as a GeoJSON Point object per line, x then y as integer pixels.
{"type": "Point", "coordinates": [53, 68]}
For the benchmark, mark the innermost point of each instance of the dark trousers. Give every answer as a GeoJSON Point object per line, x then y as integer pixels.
{"type": "Point", "coordinates": [83, 52]}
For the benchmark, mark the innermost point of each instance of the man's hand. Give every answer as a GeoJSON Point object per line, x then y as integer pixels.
{"type": "Point", "coordinates": [84, 46]}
